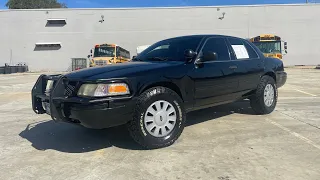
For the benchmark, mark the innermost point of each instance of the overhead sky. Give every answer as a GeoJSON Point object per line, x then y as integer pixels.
{"type": "Point", "coordinates": [161, 3]}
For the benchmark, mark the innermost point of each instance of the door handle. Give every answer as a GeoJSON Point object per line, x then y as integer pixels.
{"type": "Point", "coordinates": [233, 67]}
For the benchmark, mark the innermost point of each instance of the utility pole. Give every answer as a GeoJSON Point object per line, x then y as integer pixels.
{"type": "Point", "coordinates": [307, 1]}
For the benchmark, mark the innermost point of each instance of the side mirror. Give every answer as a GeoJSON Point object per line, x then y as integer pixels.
{"type": "Point", "coordinates": [285, 47]}
{"type": "Point", "coordinates": [133, 57]}
{"type": "Point", "coordinates": [189, 54]}
{"type": "Point", "coordinates": [209, 56]}
{"type": "Point", "coordinates": [91, 51]}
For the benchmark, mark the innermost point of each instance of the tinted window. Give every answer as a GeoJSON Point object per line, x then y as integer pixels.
{"type": "Point", "coordinates": [219, 46]}
{"type": "Point", "coordinates": [242, 50]}
{"type": "Point", "coordinates": [170, 49]}
{"type": "Point", "coordinates": [251, 51]}
{"type": "Point", "coordinates": [234, 41]}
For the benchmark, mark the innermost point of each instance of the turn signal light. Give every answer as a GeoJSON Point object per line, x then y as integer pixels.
{"type": "Point", "coordinates": [118, 88]}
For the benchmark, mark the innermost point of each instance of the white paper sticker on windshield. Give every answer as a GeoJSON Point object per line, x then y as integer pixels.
{"type": "Point", "coordinates": [241, 51]}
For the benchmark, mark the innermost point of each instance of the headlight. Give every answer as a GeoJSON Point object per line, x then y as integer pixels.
{"type": "Point", "coordinates": [101, 90]}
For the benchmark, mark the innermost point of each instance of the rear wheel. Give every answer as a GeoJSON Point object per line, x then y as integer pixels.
{"type": "Point", "coordinates": [159, 118]}
{"type": "Point", "coordinates": [265, 98]}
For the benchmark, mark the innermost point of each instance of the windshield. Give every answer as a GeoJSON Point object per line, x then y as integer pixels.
{"type": "Point", "coordinates": [269, 47]}
{"type": "Point", "coordinates": [170, 49]}
{"type": "Point", "coordinates": [104, 52]}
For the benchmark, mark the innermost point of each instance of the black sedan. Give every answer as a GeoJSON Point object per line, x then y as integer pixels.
{"type": "Point", "coordinates": [153, 92]}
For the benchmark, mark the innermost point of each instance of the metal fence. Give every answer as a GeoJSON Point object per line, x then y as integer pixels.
{"type": "Point", "coordinates": [78, 63]}
{"type": "Point", "coordinates": [13, 69]}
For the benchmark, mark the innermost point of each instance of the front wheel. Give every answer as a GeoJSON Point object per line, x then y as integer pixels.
{"type": "Point", "coordinates": [265, 98]}
{"type": "Point", "coordinates": [159, 118]}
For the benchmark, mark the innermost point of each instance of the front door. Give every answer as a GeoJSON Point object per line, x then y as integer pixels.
{"type": "Point", "coordinates": [214, 80]}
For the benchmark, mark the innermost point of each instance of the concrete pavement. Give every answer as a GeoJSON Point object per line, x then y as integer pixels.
{"type": "Point", "coordinates": [225, 143]}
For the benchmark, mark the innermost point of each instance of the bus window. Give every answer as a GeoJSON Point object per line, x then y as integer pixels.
{"type": "Point", "coordinates": [104, 51]}
{"type": "Point", "coordinates": [123, 53]}
{"type": "Point", "coordinates": [269, 47]}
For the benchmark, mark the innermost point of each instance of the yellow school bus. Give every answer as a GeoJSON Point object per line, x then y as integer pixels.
{"type": "Point", "coordinates": [104, 54]}
{"type": "Point", "coordinates": [270, 45]}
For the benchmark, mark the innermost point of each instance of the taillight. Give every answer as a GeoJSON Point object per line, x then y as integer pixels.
{"type": "Point", "coordinates": [279, 56]}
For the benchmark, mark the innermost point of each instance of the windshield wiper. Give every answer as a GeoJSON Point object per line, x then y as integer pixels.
{"type": "Point", "coordinates": [158, 58]}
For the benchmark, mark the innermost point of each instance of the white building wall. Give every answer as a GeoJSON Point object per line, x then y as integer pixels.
{"type": "Point", "coordinates": [21, 29]}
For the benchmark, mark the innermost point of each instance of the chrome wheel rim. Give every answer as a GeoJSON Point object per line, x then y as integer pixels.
{"type": "Point", "coordinates": [160, 118]}
{"type": "Point", "coordinates": [268, 95]}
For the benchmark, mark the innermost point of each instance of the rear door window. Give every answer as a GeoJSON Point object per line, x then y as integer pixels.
{"type": "Point", "coordinates": [252, 53]}
{"type": "Point", "coordinates": [242, 49]}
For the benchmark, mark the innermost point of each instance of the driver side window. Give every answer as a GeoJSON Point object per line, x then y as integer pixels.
{"type": "Point", "coordinates": [219, 46]}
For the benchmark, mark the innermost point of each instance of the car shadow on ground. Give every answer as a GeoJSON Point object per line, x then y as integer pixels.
{"type": "Point", "coordinates": [69, 138]}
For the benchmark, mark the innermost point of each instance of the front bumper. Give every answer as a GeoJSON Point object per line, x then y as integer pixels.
{"type": "Point", "coordinates": [64, 106]}
{"type": "Point", "coordinates": [281, 78]}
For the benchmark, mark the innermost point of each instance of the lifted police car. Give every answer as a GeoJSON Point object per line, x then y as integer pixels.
{"type": "Point", "coordinates": [153, 92]}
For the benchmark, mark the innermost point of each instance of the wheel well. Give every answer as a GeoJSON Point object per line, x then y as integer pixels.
{"type": "Point", "coordinates": [168, 85]}
{"type": "Point", "coordinates": [272, 74]}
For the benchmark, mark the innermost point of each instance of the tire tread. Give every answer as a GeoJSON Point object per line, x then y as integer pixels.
{"type": "Point", "coordinates": [257, 102]}
{"type": "Point", "coordinates": [134, 125]}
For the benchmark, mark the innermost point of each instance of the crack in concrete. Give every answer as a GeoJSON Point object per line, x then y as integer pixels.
{"type": "Point", "coordinates": [295, 118]}
{"type": "Point", "coordinates": [294, 134]}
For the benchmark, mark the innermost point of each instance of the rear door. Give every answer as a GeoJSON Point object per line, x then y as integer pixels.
{"type": "Point", "coordinates": [249, 64]}
{"type": "Point", "coordinates": [214, 80]}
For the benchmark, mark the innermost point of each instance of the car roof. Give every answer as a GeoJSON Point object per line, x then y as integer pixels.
{"type": "Point", "coordinates": [203, 36]}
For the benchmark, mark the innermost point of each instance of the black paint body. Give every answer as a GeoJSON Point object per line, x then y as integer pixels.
{"type": "Point", "coordinates": [200, 85]}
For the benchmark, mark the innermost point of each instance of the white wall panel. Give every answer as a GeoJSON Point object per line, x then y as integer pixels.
{"type": "Point", "coordinates": [21, 29]}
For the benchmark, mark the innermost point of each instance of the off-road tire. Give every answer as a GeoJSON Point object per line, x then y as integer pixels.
{"type": "Point", "coordinates": [137, 127]}
{"type": "Point", "coordinates": [257, 99]}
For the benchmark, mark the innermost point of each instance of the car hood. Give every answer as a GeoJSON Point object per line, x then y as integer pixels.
{"type": "Point", "coordinates": [119, 70]}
